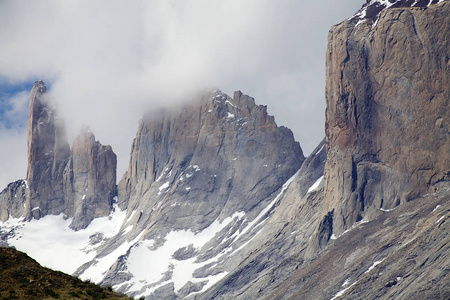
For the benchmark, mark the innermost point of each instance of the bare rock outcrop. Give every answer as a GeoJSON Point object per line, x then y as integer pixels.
{"type": "Point", "coordinates": [206, 161]}
{"type": "Point", "coordinates": [387, 117]}
{"type": "Point", "coordinates": [12, 200]}
{"type": "Point", "coordinates": [90, 179]}
{"type": "Point", "coordinates": [79, 183]}
{"type": "Point", "coordinates": [48, 154]}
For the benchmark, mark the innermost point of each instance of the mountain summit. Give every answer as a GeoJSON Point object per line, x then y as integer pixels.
{"type": "Point", "coordinates": [218, 202]}
{"type": "Point", "coordinates": [78, 183]}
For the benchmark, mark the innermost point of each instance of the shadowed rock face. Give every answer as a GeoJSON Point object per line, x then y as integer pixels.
{"type": "Point", "coordinates": [387, 118]}
{"type": "Point", "coordinates": [80, 183]}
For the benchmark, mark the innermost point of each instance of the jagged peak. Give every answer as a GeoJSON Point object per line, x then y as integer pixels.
{"type": "Point", "coordinates": [39, 86]}
{"type": "Point", "coordinates": [371, 10]}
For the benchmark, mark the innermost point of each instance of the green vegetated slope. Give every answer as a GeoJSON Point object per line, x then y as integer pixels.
{"type": "Point", "coordinates": [21, 277]}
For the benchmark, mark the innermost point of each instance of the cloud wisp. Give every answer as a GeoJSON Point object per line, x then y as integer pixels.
{"type": "Point", "coordinates": [108, 61]}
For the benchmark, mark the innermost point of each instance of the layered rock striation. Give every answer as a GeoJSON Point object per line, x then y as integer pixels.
{"type": "Point", "coordinates": [387, 117]}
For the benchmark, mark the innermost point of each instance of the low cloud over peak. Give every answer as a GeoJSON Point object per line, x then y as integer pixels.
{"type": "Point", "coordinates": [106, 62]}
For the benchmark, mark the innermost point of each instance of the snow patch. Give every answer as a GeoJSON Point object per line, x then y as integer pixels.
{"type": "Point", "coordinates": [342, 292]}
{"type": "Point", "coordinates": [387, 210]}
{"type": "Point", "coordinates": [346, 282]}
{"type": "Point", "coordinates": [230, 103]}
{"type": "Point", "coordinates": [373, 266]}
{"type": "Point", "coordinates": [315, 185]}
{"type": "Point", "coordinates": [55, 245]}
{"type": "Point", "coordinates": [440, 219]}
{"type": "Point", "coordinates": [163, 187]}
{"type": "Point", "coordinates": [436, 208]}
{"type": "Point", "coordinates": [149, 264]}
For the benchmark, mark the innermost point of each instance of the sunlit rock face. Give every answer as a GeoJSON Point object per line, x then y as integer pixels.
{"type": "Point", "coordinates": [208, 171]}
{"type": "Point", "coordinates": [387, 118]}
{"type": "Point", "coordinates": [206, 161]}
{"type": "Point", "coordinates": [387, 141]}
{"type": "Point", "coordinates": [219, 203]}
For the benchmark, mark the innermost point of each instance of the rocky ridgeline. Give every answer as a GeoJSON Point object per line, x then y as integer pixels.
{"type": "Point", "coordinates": [206, 161]}
{"type": "Point", "coordinates": [218, 202]}
{"type": "Point", "coordinates": [220, 159]}
{"type": "Point", "coordinates": [371, 10]}
{"type": "Point", "coordinates": [80, 183]}
{"type": "Point", "coordinates": [379, 221]}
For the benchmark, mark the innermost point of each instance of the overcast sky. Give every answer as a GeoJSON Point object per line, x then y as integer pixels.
{"type": "Point", "coordinates": [106, 62]}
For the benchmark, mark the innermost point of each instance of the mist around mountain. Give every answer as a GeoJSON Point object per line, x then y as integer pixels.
{"type": "Point", "coordinates": [219, 202]}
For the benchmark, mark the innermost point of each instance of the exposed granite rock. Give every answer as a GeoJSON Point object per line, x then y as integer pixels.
{"type": "Point", "coordinates": [218, 160]}
{"type": "Point", "coordinates": [90, 180]}
{"type": "Point", "coordinates": [194, 165]}
{"type": "Point", "coordinates": [12, 200]}
{"type": "Point", "coordinates": [278, 249]}
{"type": "Point", "coordinates": [80, 183]}
{"type": "Point", "coordinates": [48, 154]}
{"type": "Point", "coordinates": [387, 117]}
{"type": "Point", "coordinates": [401, 254]}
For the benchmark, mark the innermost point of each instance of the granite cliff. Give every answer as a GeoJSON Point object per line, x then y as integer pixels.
{"type": "Point", "coordinates": [377, 225]}
{"type": "Point", "coordinates": [211, 169]}
{"type": "Point", "coordinates": [387, 118]}
{"type": "Point", "coordinates": [79, 183]}
{"type": "Point", "coordinates": [218, 202]}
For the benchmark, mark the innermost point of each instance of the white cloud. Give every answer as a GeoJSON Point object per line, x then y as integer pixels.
{"type": "Point", "coordinates": [108, 61]}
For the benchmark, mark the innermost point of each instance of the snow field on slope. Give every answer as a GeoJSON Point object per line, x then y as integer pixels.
{"type": "Point", "coordinates": [148, 265]}
{"type": "Point", "coordinates": [53, 244]}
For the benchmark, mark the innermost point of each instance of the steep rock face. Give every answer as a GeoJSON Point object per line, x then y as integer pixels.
{"type": "Point", "coordinates": [387, 118]}
{"type": "Point", "coordinates": [200, 185]}
{"type": "Point", "coordinates": [12, 200]}
{"type": "Point", "coordinates": [278, 249]}
{"type": "Point", "coordinates": [203, 159]}
{"type": "Point", "coordinates": [90, 179]}
{"type": "Point", "coordinates": [48, 154]}
{"type": "Point", "coordinates": [80, 183]}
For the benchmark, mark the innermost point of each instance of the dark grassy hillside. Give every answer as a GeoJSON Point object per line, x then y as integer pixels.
{"type": "Point", "coordinates": [21, 277]}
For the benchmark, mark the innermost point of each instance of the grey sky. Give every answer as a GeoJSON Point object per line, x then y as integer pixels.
{"type": "Point", "coordinates": [108, 61]}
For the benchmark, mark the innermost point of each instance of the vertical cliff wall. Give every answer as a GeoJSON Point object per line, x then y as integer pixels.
{"type": "Point", "coordinates": [48, 154]}
{"type": "Point", "coordinates": [90, 179]}
{"type": "Point", "coordinates": [80, 183]}
{"type": "Point", "coordinates": [387, 117]}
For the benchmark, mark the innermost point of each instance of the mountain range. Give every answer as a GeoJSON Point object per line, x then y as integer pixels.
{"type": "Point", "coordinates": [219, 202]}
